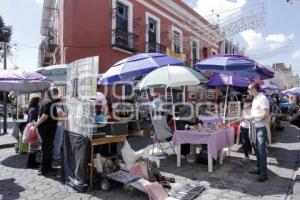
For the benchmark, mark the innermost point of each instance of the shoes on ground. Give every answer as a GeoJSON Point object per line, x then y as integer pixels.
{"type": "Point", "coordinates": [262, 178]}
{"type": "Point", "coordinates": [255, 171]}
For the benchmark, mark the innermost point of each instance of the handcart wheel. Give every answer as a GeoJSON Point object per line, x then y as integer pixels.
{"type": "Point", "coordinates": [104, 185]}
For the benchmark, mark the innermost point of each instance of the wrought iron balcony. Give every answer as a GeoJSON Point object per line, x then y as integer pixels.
{"type": "Point", "coordinates": [52, 40]}
{"type": "Point", "coordinates": [51, 47]}
{"type": "Point", "coordinates": [47, 59]}
{"type": "Point", "coordinates": [155, 48]}
{"type": "Point", "coordinates": [195, 62]}
{"type": "Point", "coordinates": [125, 40]}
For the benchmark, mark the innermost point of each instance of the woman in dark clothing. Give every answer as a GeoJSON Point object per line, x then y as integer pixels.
{"type": "Point", "coordinates": [33, 147]}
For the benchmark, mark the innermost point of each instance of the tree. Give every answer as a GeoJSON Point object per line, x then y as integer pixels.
{"type": "Point", "coordinates": [4, 35]}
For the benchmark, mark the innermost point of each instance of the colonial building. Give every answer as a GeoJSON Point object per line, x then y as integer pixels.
{"type": "Point", "coordinates": [228, 47]}
{"type": "Point", "coordinates": [116, 29]}
{"type": "Point", "coordinates": [284, 76]}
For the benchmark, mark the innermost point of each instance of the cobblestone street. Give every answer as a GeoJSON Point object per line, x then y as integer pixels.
{"type": "Point", "coordinates": [229, 181]}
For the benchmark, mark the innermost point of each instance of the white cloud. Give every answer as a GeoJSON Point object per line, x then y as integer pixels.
{"type": "Point", "coordinates": [296, 55]}
{"type": "Point", "coordinates": [221, 7]}
{"type": "Point", "coordinates": [256, 40]}
{"type": "Point", "coordinates": [253, 39]}
{"type": "Point", "coordinates": [40, 2]}
{"type": "Point", "coordinates": [276, 41]}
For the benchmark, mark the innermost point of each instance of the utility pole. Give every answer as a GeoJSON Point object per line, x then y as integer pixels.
{"type": "Point", "coordinates": [4, 93]}
{"type": "Point", "coordinates": [5, 30]}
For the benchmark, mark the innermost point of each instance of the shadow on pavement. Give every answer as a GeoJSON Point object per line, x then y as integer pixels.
{"type": "Point", "coordinates": [232, 175]}
{"type": "Point", "coordinates": [285, 158]}
{"type": "Point", "coordinates": [10, 190]}
{"type": "Point", "coordinates": [15, 161]}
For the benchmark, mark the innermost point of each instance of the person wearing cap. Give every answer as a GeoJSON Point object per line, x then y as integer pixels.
{"type": "Point", "coordinates": [47, 125]}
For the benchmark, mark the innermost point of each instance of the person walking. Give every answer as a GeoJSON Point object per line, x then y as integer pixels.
{"type": "Point", "coordinates": [46, 126]}
{"type": "Point", "coordinates": [33, 108]}
{"type": "Point", "coordinates": [258, 131]}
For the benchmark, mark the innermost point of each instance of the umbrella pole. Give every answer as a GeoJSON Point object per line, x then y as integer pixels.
{"type": "Point", "coordinates": [183, 95]}
{"type": "Point", "coordinates": [225, 106]}
{"type": "Point", "coordinates": [17, 105]}
{"type": "Point", "coordinates": [173, 109]}
{"type": "Point", "coordinates": [150, 110]}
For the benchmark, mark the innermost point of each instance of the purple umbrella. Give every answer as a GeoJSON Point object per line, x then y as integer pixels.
{"type": "Point", "coordinates": [137, 65]}
{"type": "Point", "coordinates": [236, 65]}
{"type": "Point", "coordinates": [221, 80]}
{"type": "Point", "coordinates": [22, 81]}
{"type": "Point", "coordinates": [269, 86]}
{"type": "Point", "coordinates": [228, 62]}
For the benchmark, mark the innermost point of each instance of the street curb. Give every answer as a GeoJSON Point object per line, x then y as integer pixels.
{"type": "Point", "coordinates": [4, 146]}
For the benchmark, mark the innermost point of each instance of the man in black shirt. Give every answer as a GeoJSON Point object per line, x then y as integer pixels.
{"type": "Point", "coordinates": [46, 125]}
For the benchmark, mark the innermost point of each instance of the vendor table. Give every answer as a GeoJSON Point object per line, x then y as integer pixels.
{"type": "Point", "coordinates": [216, 140]}
{"type": "Point", "coordinates": [108, 139]}
{"type": "Point", "coordinates": [210, 119]}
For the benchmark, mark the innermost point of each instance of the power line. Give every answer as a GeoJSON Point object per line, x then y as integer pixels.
{"type": "Point", "coordinates": [230, 10]}
{"type": "Point", "coordinates": [25, 45]}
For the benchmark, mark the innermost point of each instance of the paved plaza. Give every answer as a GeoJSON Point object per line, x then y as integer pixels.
{"type": "Point", "coordinates": [229, 181]}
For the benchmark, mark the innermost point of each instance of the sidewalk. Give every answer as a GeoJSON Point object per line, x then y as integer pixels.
{"type": "Point", "coordinates": [6, 140]}
{"type": "Point", "coordinates": [229, 181]}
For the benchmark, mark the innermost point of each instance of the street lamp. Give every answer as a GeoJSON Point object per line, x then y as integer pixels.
{"type": "Point", "coordinates": [3, 31]}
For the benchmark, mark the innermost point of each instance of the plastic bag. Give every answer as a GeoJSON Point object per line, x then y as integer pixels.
{"type": "Point", "coordinates": [98, 163]}
{"type": "Point", "coordinates": [30, 134]}
{"type": "Point", "coordinates": [140, 170]}
{"type": "Point", "coordinates": [156, 191]}
{"type": "Point", "coordinates": [129, 155]}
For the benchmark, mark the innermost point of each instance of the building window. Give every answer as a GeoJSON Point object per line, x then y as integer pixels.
{"type": "Point", "coordinates": [152, 31]}
{"type": "Point", "coordinates": [122, 26]}
{"type": "Point", "coordinates": [153, 34]}
{"type": "Point", "coordinates": [194, 52]}
{"type": "Point", "coordinates": [122, 17]}
{"type": "Point", "coordinates": [177, 40]}
{"type": "Point", "coordinates": [226, 49]}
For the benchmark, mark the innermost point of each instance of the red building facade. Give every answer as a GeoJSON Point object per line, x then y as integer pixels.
{"type": "Point", "coordinates": [116, 29]}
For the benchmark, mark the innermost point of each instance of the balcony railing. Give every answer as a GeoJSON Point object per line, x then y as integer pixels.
{"type": "Point", "coordinates": [52, 40]}
{"type": "Point", "coordinates": [125, 40]}
{"type": "Point", "coordinates": [194, 62]}
{"type": "Point", "coordinates": [51, 47]}
{"type": "Point", "coordinates": [155, 48]}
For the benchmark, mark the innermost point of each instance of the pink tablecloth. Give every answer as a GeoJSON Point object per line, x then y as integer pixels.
{"type": "Point", "coordinates": [216, 141]}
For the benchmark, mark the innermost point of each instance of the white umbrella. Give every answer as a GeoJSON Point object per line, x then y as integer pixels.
{"type": "Point", "coordinates": [171, 76]}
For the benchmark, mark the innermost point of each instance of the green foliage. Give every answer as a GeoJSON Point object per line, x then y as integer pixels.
{"type": "Point", "coordinates": [4, 36]}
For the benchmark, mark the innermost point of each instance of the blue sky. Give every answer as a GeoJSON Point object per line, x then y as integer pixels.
{"type": "Point", "coordinates": [25, 17]}
{"type": "Point", "coordinates": [277, 41]}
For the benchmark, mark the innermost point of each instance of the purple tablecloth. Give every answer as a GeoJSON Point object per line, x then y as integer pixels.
{"type": "Point", "coordinates": [207, 119]}
{"type": "Point", "coordinates": [216, 141]}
